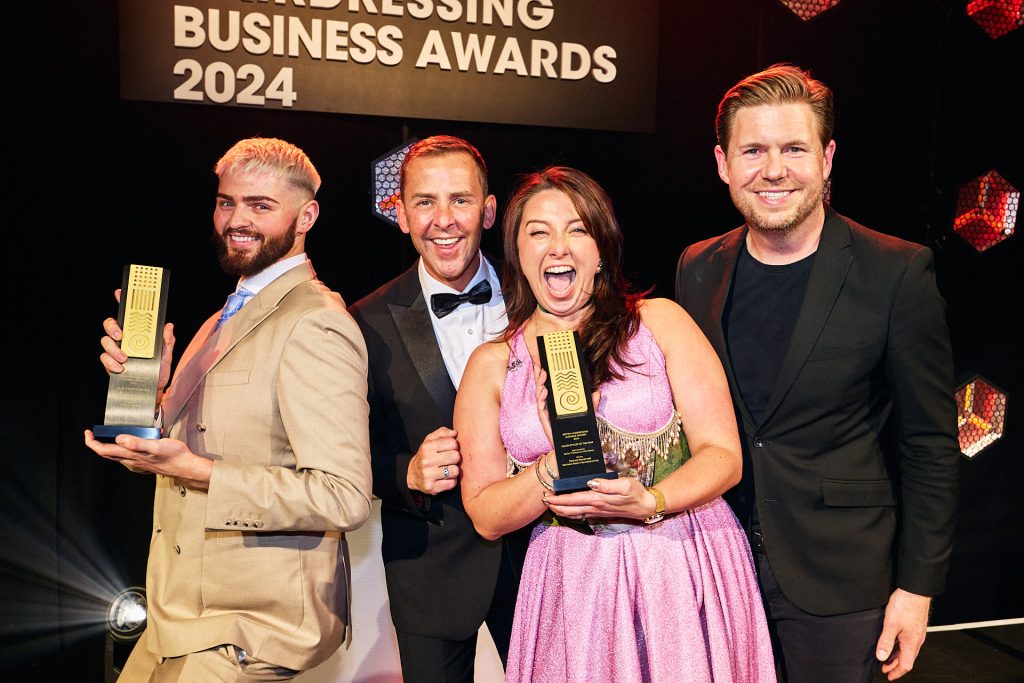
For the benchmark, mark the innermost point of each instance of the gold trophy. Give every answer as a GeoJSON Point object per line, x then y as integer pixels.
{"type": "Point", "coordinates": [571, 409]}
{"type": "Point", "coordinates": [131, 396]}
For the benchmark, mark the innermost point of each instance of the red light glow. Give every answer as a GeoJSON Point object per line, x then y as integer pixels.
{"type": "Point", "coordinates": [997, 17]}
{"type": "Point", "coordinates": [986, 211]}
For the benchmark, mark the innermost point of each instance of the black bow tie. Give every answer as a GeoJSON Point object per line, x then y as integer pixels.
{"type": "Point", "coordinates": [443, 304]}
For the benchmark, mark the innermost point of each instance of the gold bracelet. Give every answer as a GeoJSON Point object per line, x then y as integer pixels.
{"type": "Point", "coordinates": [548, 467]}
{"type": "Point", "coordinates": [540, 478]}
{"type": "Point", "coordinates": [659, 506]}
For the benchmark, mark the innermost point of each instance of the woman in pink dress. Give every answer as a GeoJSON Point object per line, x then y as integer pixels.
{"type": "Point", "coordinates": [646, 577]}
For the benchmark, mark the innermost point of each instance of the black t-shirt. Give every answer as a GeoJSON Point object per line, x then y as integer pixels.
{"type": "Point", "coordinates": [759, 319]}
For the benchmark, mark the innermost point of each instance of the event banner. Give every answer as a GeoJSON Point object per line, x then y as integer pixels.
{"type": "Point", "coordinates": [572, 63]}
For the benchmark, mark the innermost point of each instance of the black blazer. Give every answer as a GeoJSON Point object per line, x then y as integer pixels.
{"type": "Point", "coordinates": [844, 509]}
{"type": "Point", "coordinates": [440, 573]}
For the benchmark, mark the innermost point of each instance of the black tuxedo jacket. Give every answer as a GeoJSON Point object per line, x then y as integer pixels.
{"type": "Point", "coordinates": [853, 467]}
{"type": "Point", "coordinates": [440, 573]}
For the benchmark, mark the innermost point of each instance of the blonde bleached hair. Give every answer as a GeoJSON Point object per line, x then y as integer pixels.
{"type": "Point", "coordinates": [270, 155]}
{"type": "Point", "coordinates": [778, 84]}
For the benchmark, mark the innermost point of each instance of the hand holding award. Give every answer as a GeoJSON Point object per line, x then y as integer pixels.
{"type": "Point", "coordinates": [139, 363]}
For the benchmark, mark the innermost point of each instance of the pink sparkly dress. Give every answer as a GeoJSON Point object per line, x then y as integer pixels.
{"type": "Point", "coordinates": [672, 601]}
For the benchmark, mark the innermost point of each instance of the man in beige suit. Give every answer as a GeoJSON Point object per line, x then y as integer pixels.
{"type": "Point", "coordinates": [266, 459]}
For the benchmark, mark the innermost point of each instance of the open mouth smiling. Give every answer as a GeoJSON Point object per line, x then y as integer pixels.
{"type": "Point", "coordinates": [559, 278]}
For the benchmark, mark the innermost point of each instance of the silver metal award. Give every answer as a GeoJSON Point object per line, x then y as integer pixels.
{"type": "Point", "coordinates": [131, 396]}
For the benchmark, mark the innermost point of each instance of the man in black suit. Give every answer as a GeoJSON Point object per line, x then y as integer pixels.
{"type": "Point", "coordinates": [834, 339]}
{"type": "Point", "coordinates": [443, 579]}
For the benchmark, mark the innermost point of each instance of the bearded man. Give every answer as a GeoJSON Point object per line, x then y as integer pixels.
{"type": "Point", "coordinates": [834, 339]}
{"type": "Point", "coordinates": [265, 462]}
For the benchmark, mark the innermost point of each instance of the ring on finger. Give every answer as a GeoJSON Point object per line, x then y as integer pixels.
{"type": "Point", "coordinates": [444, 472]}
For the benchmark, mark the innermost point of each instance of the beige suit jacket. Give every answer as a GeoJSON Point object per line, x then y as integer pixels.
{"type": "Point", "coordinates": [277, 399]}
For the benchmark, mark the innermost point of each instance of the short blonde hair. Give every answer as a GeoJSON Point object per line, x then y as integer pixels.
{"type": "Point", "coordinates": [778, 84]}
{"type": "Point", "coordinates": [271, 155]}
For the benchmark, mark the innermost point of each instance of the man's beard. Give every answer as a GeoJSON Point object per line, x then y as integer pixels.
{"type": "Point", "coordinates": [776, 227]}
{"type": "Point", "coordinates": [246, 264]}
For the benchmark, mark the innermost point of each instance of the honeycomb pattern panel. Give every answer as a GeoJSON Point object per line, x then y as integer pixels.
{"type": "Point", "coordinates": [808, 9]}
{"type": "Point", "coordinates": [980, 415]}
{"type": "Point", "coordinates": [986, 211]}
{"type": "Point", "coordinates": [997, 17]}
{"type": "Point", "coordinates": [386, 189]}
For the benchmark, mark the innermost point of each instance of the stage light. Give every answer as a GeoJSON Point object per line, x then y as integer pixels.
{"type": "Point", "coordinates": [808, 9]}
{"type": "Point", "coordinates": [997, 17]}
{"type": "Point", "coordinates": [980, 415]}
{"type": "Point", "coordinates": [986, 211]}
{"type": "Point", "coordinates": [385, 185]}
{"type": "Point", "coordinates": [126, 616]}
{"type": "Point", "coordinates": [126, 620]}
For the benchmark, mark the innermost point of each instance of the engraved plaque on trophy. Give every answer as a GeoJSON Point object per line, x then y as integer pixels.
{"type": "Point", "coordinates": [131, 396]}
{"type": "Point", "coordinates": [571, 410]}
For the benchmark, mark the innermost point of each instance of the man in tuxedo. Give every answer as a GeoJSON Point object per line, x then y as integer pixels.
{"type": "Point", "coordinates": [265, 464]}
{"type": "Point", "coordinates": [443, 579]}
{"type": "Point", "coordinates": [834, 340]}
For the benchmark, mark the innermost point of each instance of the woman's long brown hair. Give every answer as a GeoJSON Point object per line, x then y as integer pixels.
{"type": "Point", "coordinates": [615, 313]}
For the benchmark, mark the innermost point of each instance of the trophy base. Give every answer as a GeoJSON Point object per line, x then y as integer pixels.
{"type": "Point", "coordinates": [107, 433]}
{"type": "Point", "coordinates": [573, 484]}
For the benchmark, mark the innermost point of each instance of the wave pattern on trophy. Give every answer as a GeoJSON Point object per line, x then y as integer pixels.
{"type": "Point", "coordinates": [566, 379]}
{"type": "Point", "coordinates": [141, 302]}
{"type": "Point", "coordinates": [569, 390]}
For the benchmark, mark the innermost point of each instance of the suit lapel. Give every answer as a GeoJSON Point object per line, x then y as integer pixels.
{"type": "Point", "coordinates": [412, 321]}
{"type": "Point", "coordinates": [208, 347]}
{"type": "Point", "coordinates": [831, 264]}
{"type": "Point", "coordinates": [723, 264]}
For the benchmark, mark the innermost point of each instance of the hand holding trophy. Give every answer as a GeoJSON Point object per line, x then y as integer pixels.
{"type": "Point", "coordinates": [133, 392]}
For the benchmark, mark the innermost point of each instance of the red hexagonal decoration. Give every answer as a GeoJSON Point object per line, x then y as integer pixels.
{"type": "Point", "coordinates": [980, 415]}
{"type": "Point", "coordinates": [986, 211]}
{"type": "Point", "coordinates": [997, 17]}
{"type": "Point", "coordinates": [386, 188]}
{"type": "Point", "coordinates": [808, 9]}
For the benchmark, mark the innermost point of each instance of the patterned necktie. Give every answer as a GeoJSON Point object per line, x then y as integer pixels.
{"type": "Point", "coordinates": [443, 304]}
{"type": "Point", "coordinates": [235, 302]}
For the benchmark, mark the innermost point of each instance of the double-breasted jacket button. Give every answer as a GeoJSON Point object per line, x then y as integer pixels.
{"type": "Point", "coordinates": [758, 442]}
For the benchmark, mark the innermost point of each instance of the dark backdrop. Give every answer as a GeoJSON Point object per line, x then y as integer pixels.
{"type": "Point", "coordinates": [924, 103]}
